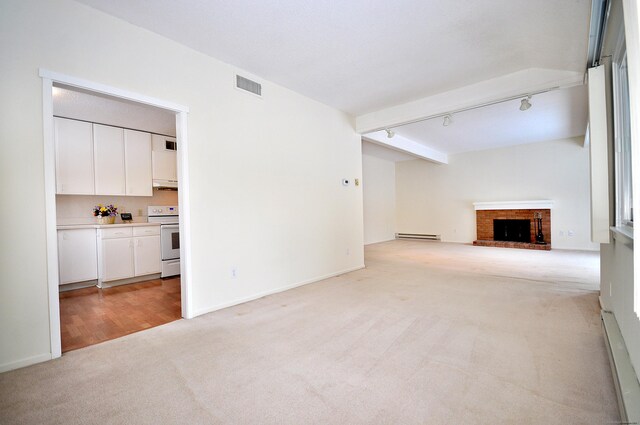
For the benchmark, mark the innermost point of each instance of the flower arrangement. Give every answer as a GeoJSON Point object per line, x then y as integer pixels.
{"type": "Point", "coordinates": [105, 211]}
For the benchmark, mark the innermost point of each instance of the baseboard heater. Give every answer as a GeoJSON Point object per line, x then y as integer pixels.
{"type": "Point", "coordinates": [625, 379]}
{"type": "Point", "coordinates": [417, 236]}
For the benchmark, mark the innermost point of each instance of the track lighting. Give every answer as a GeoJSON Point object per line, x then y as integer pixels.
{"type": "Point", "coordinates": [390, 133]}
{"type": "Point", "coordinates": [447, 120]}
{"type": "Point", "coordinates": [525, 104]}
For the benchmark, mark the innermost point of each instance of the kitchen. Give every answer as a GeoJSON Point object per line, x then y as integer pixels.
{"type": "Point", "coordinates": [117, 216]}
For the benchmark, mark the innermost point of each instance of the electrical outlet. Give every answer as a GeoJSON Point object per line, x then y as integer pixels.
{"type": "Point", "coordinates": [139, 211]}
{"type": "Point", "coordinates": [234, 273]}
{"type": "Point", "coordinates": [570, 233]}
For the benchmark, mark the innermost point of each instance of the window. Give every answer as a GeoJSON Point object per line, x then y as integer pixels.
{"type": "Point", "coordinates": [622, 129]}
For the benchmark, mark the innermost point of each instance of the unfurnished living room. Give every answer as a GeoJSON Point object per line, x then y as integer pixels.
{"type": "Point", "coordinates": [359, 212]}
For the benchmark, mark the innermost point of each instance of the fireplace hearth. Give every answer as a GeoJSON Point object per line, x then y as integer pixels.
{"type": "Point", "coordinates": [518, 224]}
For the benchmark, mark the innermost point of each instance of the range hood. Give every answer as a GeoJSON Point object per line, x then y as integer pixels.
{"type": "Point", "coordinates": [164, 162]}
{"type": "Point", "coordinates": [165, 184]}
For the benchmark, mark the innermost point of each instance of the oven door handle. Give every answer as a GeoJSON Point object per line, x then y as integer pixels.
{"type": "Point", "coordinates": [170, 226]}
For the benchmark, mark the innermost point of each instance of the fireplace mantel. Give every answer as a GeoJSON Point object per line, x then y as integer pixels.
{"type": "Point", "coordinates": [544, 204]}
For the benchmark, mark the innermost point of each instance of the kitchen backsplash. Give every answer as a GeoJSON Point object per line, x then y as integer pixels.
{"type": "Point", "coordinates": [77, 209]}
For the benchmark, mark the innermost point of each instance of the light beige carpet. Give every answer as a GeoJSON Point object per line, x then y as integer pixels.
{"type": "Point", "coordinates": [428, 333]}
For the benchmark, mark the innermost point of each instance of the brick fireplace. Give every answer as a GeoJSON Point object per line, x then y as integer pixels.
{"type": "Point", "coordinates": [510, 220]}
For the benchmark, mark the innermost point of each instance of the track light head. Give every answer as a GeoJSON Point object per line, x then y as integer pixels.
{"type": "Point", "coordinates": [390, 133]}
{"type": "Point", "coordinates": [447, 120]}
{"type": "Point", "coordinates": [525, 104]}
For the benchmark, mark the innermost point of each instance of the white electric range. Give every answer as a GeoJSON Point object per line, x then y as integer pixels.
{"type": "Point", "coordinates": [168, 217]}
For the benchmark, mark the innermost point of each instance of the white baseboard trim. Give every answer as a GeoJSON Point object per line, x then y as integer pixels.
{"type": "Point", "coordinates": [273, 291]}
{"type": "Point", "coordinates": [624, 376]}
{"type": "Point", "coordinates": [5, 367]}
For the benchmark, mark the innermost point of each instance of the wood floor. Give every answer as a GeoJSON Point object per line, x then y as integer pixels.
{"type": "Point", "coordinates": [92, 315]}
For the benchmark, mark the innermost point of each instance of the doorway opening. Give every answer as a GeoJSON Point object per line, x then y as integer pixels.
{"type": "Point", "coordinates": [125, 286]}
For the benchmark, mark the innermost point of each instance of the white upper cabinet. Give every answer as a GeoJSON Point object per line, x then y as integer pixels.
{"type": "Point", "coordinates": [108, 146]}
{"type": "Point", "coordinates": [164, 159]}
{"type": "Point", "coordinates": [96, 159]}
{"type": "Point", "coordinates": [74, 157]}
{"type": "Point", "coordinates": [137, 157]}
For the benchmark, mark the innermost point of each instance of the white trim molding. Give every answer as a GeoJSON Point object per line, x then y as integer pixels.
{"type": "Point", "coordinates": [184, 209]}
{"type": "Point", "coordinates": [55, 342]}
{"type": "Point", "coordinates": [543, 204]}
{"type": "Point", "coordinates": [111, 91]}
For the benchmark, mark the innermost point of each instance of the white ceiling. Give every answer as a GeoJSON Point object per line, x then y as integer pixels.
{"type": "Point", "coordinates": [88, 106]}
{"type": "Point", "coordinates": [557, 114]}
{"type": "Point", "coordinates": [362, 56]}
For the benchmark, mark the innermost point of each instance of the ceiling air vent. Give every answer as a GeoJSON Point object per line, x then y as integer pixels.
{"type": "Point", "coordinates": [248, 85]}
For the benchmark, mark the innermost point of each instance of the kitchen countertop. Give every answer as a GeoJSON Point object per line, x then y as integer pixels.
{"type": "Point", "coordinates": [103, 226]}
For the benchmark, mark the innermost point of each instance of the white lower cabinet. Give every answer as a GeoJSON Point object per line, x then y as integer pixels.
{"type": "Point", "coordinates": [77, 255]}
{"type": "Point", "coordinates": [146, 255]}
{"type": "Point", "coordinates": [126, 252]}
{"type": "Point", "coordinates": [117, 259]}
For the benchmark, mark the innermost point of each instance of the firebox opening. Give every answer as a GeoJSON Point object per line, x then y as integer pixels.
{"type": "Point", "coordinates": [512, 230]}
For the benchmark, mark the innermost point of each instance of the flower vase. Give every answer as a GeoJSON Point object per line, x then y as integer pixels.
{"type": "Point", "coordinates": [110, 219]}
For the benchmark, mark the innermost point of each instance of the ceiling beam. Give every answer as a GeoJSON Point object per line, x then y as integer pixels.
{"type": "Point", "coordinates": [402, 144]}
{"type": "Point", "coordinates": [510, 85]}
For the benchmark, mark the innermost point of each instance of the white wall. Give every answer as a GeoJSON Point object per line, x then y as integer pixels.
{"type": "Point", "coordinates": [265, 174]}
{"type": "Point", "coordinates": [379, 199]}
{"type": "Point", "coordinates": [631, 333]}
{"type": "Point", "coordinates": [618, 259]}
{"type": "Point", "coordinates": [438, 199]}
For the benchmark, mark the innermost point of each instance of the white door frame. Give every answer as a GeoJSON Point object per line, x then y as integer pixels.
{"type": "Point", "coordinates": [50, 77]}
